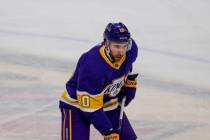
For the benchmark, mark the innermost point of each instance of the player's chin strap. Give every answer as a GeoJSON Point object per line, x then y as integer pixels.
{"type": "Point", "coordinates": [129, 44]}
{"type": "Point", "coordinates": [108, 53]}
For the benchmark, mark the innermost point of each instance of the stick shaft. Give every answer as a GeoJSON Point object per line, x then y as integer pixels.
{"type": "Point", "coordinates": [121, 112]}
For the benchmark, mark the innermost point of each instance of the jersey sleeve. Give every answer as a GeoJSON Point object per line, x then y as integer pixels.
{"type": "Point", "coordinates": [89, 86]}
{"type": "Point", "coordinates": [89, 95]}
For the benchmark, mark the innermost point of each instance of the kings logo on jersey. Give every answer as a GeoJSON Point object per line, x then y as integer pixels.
{"type": "Point", "coordinates": [114, 88]}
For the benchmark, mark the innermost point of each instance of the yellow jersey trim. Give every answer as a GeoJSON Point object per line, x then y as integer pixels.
{"type": "Point", "coordinates": [115, 65]}
{"type": "Point", "coordinates": [130, 83]}
{"type": "Point", "coordinates": [112, 104]}
{"type": "Point", "coordinates": [64, 125]}
{"type": "Point", "coordinates": [86, 100]}
{"type": "Point", "coordinates": [70, 124]}
{"type": "Point", "coordinates": [69, 100]}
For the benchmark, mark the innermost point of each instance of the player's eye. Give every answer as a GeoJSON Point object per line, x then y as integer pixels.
{"type": "Point", "coordinates": [117, 46]}
{"type": "Point", "coordinates": [125, 46]}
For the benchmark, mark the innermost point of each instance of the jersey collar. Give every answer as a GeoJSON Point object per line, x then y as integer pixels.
{"type": "Point", "coordinates": [115, 65]}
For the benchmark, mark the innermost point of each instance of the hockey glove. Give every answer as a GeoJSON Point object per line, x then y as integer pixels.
{"type": "Point", "coordinates": [129, 89]}
{"type": "Point", "coordinates": [114, 135]}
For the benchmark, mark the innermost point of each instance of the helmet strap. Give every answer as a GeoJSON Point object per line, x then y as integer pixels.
{"type": "Point", "coordinates": [108, 52]}
{"type": "Point", "coordinates": [129, 44]}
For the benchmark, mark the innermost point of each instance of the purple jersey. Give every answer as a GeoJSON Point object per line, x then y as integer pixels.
{"type": "Point", "coordinates": [96, 84]}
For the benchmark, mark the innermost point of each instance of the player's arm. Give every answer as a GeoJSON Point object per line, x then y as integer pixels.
{"type": "Point", "coordinates": [89, 87]}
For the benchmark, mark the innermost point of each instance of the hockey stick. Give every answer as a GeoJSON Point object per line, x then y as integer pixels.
{"type": "Point", "coordinates": [121, 113]}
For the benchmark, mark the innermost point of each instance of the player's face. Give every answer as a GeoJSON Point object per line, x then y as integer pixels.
{"type": "Point", "coordinates": [118, 50]}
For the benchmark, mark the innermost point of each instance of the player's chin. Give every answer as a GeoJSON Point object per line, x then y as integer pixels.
{"type": "Point", "coordinates": [118, 58]}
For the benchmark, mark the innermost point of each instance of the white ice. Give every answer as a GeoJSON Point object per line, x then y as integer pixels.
{"type": "Point", "coordinates": [41, 41]}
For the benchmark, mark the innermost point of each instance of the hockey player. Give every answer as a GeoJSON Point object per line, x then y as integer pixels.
{"type": "Point", "coordinates": [101, 79]}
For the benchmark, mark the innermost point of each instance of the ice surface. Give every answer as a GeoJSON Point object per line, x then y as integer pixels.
{"type": "Point", "coordinates": [41, 40]}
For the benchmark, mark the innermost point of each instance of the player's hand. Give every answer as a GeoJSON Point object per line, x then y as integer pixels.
{"type": "Point", "coordinates": [129, 90]}
{"type": "Point", "coordinates": [132, 76]}
{"type": "Point", "coordinates": [112, 136]}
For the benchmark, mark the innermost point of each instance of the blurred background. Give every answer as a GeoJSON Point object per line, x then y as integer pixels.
{"type": "Point", "coordinates": [41, 41]}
